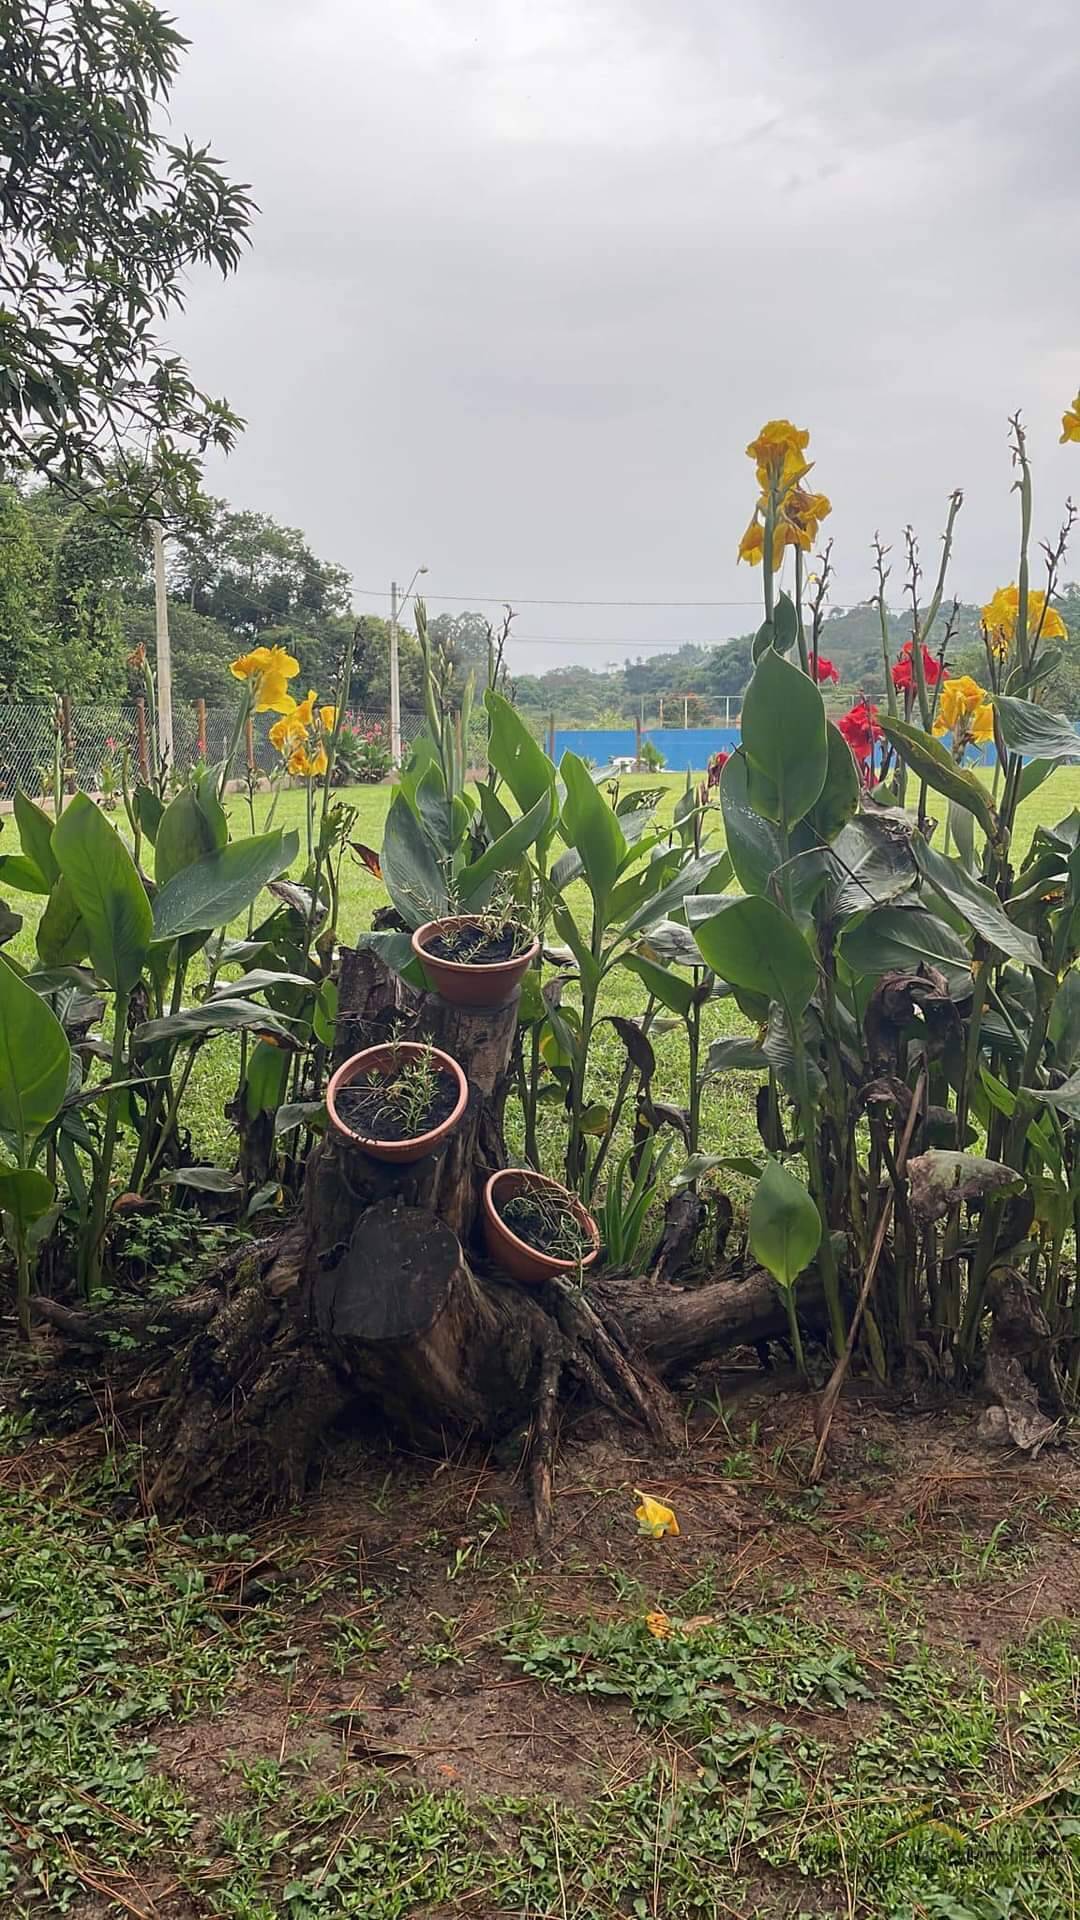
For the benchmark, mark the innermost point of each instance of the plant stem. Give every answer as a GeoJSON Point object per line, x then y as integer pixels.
{"type": "Point", "coordinates": [100, 1208]}
{"type": "Point", "coordinates": [800, 630]}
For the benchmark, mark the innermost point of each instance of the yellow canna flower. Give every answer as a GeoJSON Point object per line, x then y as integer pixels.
{"type": "Point", "coordinates": [304, 710]}
{"type": "Point", "coordinates": [957, 702]}
{"type": "Point", "coordinates": [268, 670]}
{"type": "Point", "coordinates": [800, 516]}
{"type": "Point", "coordinates": [982, 723]}
{"type": "Point", "coordinates": [328, 716]}
{"type": "Point", "coordinates": [999, 618]}
{"type": "Point", "coordinates": [653, 1517]}
{"type": "Point", "coordinates": [1070, 422]}
{"type": "Point", "coordinates": [777, 454]}
{"type": "Point", "coordinates": [658, 1625]}
{"type": "Point", "coordinates": [305, 765]}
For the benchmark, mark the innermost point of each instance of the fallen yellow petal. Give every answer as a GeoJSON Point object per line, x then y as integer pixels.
{"type": "Point", "coordinates": [658, 1625]}
{"type": "Point", "coordinates": [653, 1516]}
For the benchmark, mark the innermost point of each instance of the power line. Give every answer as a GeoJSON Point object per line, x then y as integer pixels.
{"type": "Point", "coordinates": [512, 600]}
{"type": "Point", "coordinates": [504, 599]}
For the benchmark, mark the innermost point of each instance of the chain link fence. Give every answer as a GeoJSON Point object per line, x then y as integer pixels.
{"type": "Point", "coordinates": [99, 734]}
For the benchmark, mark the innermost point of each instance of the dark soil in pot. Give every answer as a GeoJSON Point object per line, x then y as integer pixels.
{"type": "Point", "coordinates": [546, 1224]}
{"type": "Point", "coordinates": [477, 946]}
{"type": "Point", "coordinates": [375, 1107]}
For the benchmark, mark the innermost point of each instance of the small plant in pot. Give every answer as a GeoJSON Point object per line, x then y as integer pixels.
{"type": "Point", "coordinates": [474, 959]}
{"type": "Point", "coordinates": [535, 1228]}
{"type": "Point", "coordinates": [399, 1101]}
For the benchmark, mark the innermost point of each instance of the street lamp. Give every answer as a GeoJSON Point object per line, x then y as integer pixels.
{"type": "Point", "coordinates": [395, 674]}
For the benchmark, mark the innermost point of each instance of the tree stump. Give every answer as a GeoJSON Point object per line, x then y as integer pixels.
{"type": "Point", "coordinates": [380, 1295]}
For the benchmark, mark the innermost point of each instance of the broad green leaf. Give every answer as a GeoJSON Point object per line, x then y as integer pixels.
{"type": "Point", "coordinates": [515, 755]}
{"type": "Point", "coordinates": [211, 1016]}
{"type": "Point", "coordinates": [1065, 1098]}
{"type": "Point", "coordinates": [10, 923]}
{"type": "Point", "coordinates": [396, 952]}
{"type": "Point", "coordinates": [740, 1054]}
{"type": "Point", "coordinates": [892, 938]}
{"type": "Point", "coordinates": [1033, 775]}
{"type": "Point", "coordinates": [148, 809]}
{"type": "Point", "coordinates": [26, 1194]}
{"type": "Point", "coordinates": [324, 1016]}
{"type": "Point", "coordinates": [785, 1226]}
{"type": "Point", "coordinates": [192, 826]}
{"type": "Point", "coordinates": [1063, 1029]}
{"type": "Point", "coordinates": [674, 892]}
{"type": "Point", "coordinates": [752, 842]}
{"type": "Point", "coordinates": [412, 875]}
{"type": "Point", "coordinates": [61, 936]}
{"type": "Point", "coordinates": [507, 850]}
{"type": "Point", "coordinates": [670, 944]}
{"type": "Point", "coordinates": [1032, 731]}
{"type": "Point", "coordinates": [588, 824]}
{"type": "Point", "coordinates": [107, 891]}
{"type": "Point", "coordinates": [670, 989]}
{"type": "Point", "coordinates": [757, 947]}
{"type": "Point", "coordinates": [962, 829]}
{"type": "Point", "coordinates": [22, 874]}
{"type": "Point", "coordinates": [219, 887]}
{"type": "Point", "coordinates": [35, 1059]}
{"type": "Point", "coordinates": [838, 800]}
{"type": "Point", "coordinates": [300, 1113]}
{"type": "Point", "coordinates": [935, 764]}
{"type": "Point", "coordinates": [784, 739]}
{"type": "Point", "coordinates": [497, 819]}
{"type": "Point", "coordinates": [700, 1163]}
{"type": "Point", "coordinates": [981, 909]}
{"type": "Point", "coordinates": [203, 1179]}
{"type": "Point", "coordinates": [785, 623]}
{"type": "Point", "coordinates": [436, 814]}
{"type": "Point", "coordinates": [258, 980]}
{"type": "Point", "coordinates": [872, 863]}
{"type": "Point", "coordinates": [264, 1082]}
{"type": "Point", "coordinates": [35, 836]}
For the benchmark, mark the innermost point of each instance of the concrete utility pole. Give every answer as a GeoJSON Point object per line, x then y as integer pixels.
{"type": "Point", "coordinates": [395, 666]}
{"type": "Point", "coordinates": [395, 682]}
{"type": "Point", "coordinates": [164, 651]}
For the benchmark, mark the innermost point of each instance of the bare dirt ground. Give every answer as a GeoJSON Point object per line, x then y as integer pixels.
{"type": "Point", "coordinates": [857, 1699]}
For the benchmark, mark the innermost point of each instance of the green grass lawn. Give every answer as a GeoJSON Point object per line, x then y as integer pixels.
{"type": "Point", "coordinates": [728, 1123]}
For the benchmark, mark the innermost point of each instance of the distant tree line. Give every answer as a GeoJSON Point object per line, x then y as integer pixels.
{"type": "Point", "coordinates": [76, 599]}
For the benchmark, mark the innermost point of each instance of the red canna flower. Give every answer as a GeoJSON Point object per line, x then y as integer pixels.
{"type": "Point", "coordinates": [903, 673]}
{"type": "Point", "coordinates": [826, 671]}
{"type": "Point", "coordinates": [860, 729]}
{"type": "Point", "coordinates": [715, 768]}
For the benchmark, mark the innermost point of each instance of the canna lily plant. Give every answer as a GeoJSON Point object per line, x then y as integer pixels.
{"type": "Point", "coordinates": [135, 965]}
{"type": "Point", "coordinates": [917, 1011]}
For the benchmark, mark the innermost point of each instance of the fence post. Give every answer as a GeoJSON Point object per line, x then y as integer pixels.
{"type": "Point", "coordinates": [200, 725]}
{"type": "Point", "coordinates": [551, 736]}
{"type": "Point", "coordinates": [637, 738]}
{"type": "Point", "coordinates": [68, 728]}
{"type": "Point", "coordinates": [140, 738]}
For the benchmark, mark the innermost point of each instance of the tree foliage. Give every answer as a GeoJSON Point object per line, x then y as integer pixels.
{"type": "Point", "coordinates": [101, 218]}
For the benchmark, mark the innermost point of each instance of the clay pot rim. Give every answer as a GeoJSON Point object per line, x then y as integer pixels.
{"type": "Point", "coordinates": [534, 1179]}
{"type": "Point", "coordinates": [350, 1070]}
{"type": "Point", "coordinates": [431, 927]}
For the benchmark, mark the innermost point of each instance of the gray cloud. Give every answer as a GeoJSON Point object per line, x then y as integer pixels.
{"type": "Point", "coordinates": [526, 279]}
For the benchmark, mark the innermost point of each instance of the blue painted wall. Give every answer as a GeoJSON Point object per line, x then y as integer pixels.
{"type": "Point", "coordinates": [682, 747]}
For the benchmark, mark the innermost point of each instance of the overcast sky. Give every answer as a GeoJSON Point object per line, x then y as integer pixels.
{"type": "Point", "coordinates": [528, 274]}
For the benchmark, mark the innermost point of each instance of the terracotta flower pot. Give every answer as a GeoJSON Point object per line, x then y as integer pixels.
{"type": "Point", "coordinates": [465, 985]}
{"type": "Point", "coordinates": [515, 1256]}
{"type": "Point", "coordinates": [377, 1059]}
